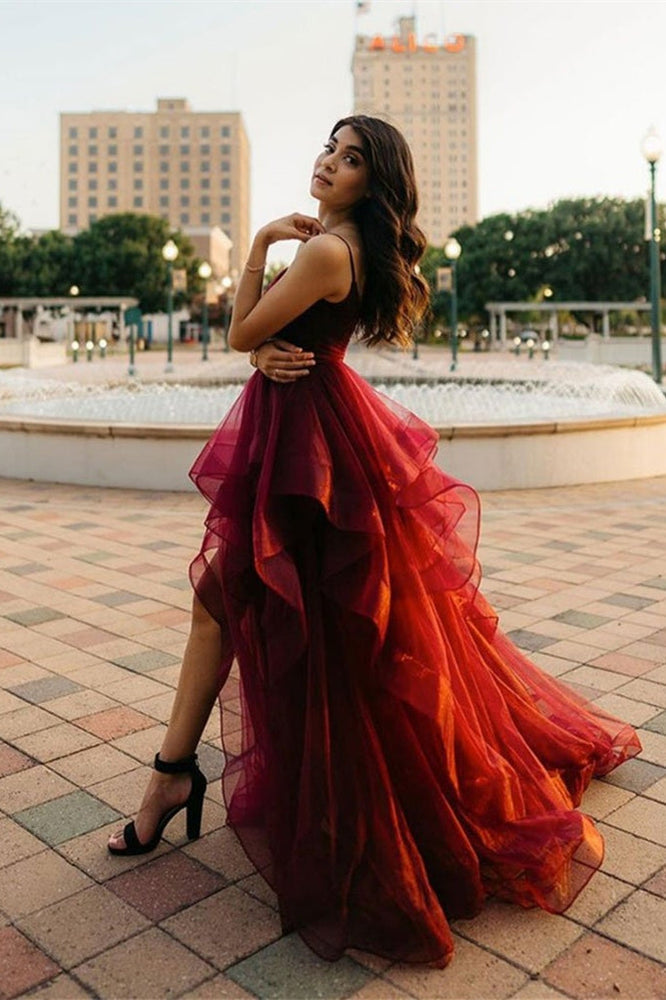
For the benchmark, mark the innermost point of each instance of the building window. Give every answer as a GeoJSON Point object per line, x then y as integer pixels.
{"type": "Point", "coordinates": [225, 200]}
{"type": "Point", "coordinates": [184, 183]}
{"type": "Point", "coordinates": [138, 184]}
{"type": "Point", "coordinates": [205, 183]}
{"type": "Point", "coordinates": [184, 200]}
{"type": "Point", "coordinates": [92, 218]}
{"type": "Point", "coordinates": [184, 167]}
{"type": "Point", "coordinates": [185, 132]}
{"type": "Point", "coordinates": [184, 218]}
{"type": "Point", "coordinates": [73, 168]}
{"type": "Point", "coordinates": [112, 167]}
{"type": "Point", "coordinates": [92, 184]}
{"type": "Point", "coordinates": [71, 220]}
{"type": "Point", "coordinates": [112, 150]}
{"type": "Point", "coordinates": [92, 133]}
{"type": "Point", "coordinates": [113, 184]}
{"type": "Point", "coordinates": [204, 131]}
{"type": "Point", "coordinates": [226, 183]}
{"type": "Point", "coordinates": [137, 150]}
{"type": "Point", "coordinates": [164, 166]}
{"type": "Point", "coordinates": [92, 168]}
{"type": "Point", "coordinates": [185, 150]}
{"type": "Point", "coordinates": [205, 218]}
{"type": "Point", "coordinates": [225, 166]}
{"type": "Point", "coordinates": [205, 150]}
{"type": "Point", "coordinates": [92, 150]}
{"type": "Point", "coordinates": [73, 151]}
{"type": "Point", "coordinates": [138, 132]}
{"type": "Point", "coordinates": [164, 131]}
{"type": "Point", "coordinates": [225, 131]}
{"type": "Point", "coordinates": [164, 183]}
{"type": "Point", "coordinates": [72, 202]}
{"type": "Point", "coordinates": [112, 201]}
{"type": "Point", "coordinates": [164, 201]}
{"type": "Point", "coordinates": [72, 185]}
{"type": "Point", "coordinates": [163, 150]}
{"type": "Point", "coordinates": [73, 132]}
{"type": "Point", "coordinates": [92, 201]}
{"type": "Point", "coordinates": [138, 167]}
{"type": "Point", "coordinates": [137, 201]}
{"type": "Point", "coordinates": [226, 218]}
{"type": "Point", "coordinates": [205, 199]}
{"type": "Point", "coordinates": [113, 132]}
{"type": "Point", "coordinates": [225, 150]}
{"type": "Point", "coordinates": [205, 166]}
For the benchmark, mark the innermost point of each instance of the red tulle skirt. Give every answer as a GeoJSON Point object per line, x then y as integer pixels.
{"type": "Point", "coordinates": [399, 759]}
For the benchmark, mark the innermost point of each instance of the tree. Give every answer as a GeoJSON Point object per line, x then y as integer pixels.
{"type": "Point", "coordinates": [122, 255]}
{"type": "Point", "coordinates": [588, 249]}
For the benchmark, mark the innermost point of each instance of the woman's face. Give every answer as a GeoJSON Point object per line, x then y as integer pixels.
{"type": "Point", "coordinates": [341, 175]}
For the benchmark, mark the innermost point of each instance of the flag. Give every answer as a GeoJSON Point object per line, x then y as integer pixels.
{"type": "Point", "coordinates": [363, 7]}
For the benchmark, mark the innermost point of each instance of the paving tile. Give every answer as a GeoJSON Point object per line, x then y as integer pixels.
{"type": "Point", "coordinates": [225, 927]}
{"type": "Point", "coordinates": [57, 741]}
{"type": "Point", "coordinates": [83, 703]}
{"type": "Point", "coordinates": [147, 660]}
{"type": "Point", "coordinates": [581, 618]}
{"type": "Point", "coordinates": [602, 798]}
{"type": "Point", "coordinates": [622, 663]}
{"type": "Point", "coordinates": [528, 938]}
{"type": "Point", "coordinates": [474, 973]}
{"type": "Point", "coordinates": [44, 689]}
{"type": "Point", "coordinates": [38, 881]}
{"type": "Point", "coordinates": [639, 922]}
{"type": "Point", "coordinates": [628, 601]}
{"type": "Point", "coordinates": [636, 775]}
{"type": "Point", "coordinates": [657, 884]}
{"type": "Point", "coordinates": [596, 968]}
{"type": "Point", "coordinates": [16, 843]}
{"type": "Point", "coordinates": [116, 598]}
{"type": "Point", "coordinates": [114, 722]}
{"type": "Point", "coordinates": [142, 744]}
{"type": "Point", "coordinates": [63, 818]}
{"type": "Point", "coordinates": [599, 896]}
{"type": "Point", "coordinates": [89, 767]}
{"type": "Point", "coordinates": [656, 724]}
{"type": "Point", "coordinates": [151, 965]}
{"type": "Point", "coordinates": [289, 970]}
{"type": "Point", "coordinates": [636, 713]}
{"type": "Point", "coordinates": [221, 851]}
{"type": "Point", "coordinates": [218, 988]}
{"type": "Point", "coordinates": [657, 791]}
{"type": "Point", "coordinates": [641, 816]}
{"type": "Point", "coordinates": [531, 641]}
{"type": "Point", "coordinates": [23, 965]}
{"type": "Point", "coordinates": [34, 616]}
{"type": "Point", "coordinates": [25, 720]}
{"type": "Point", "coordinates": [28, 788]}
{"type": "Point", "coordinates": [166, 885]}
{"type": "Point", "coordinates": [256, 885]}
{"type": "Point", "coordinates": [63, 987]}
{"type": "Point", "coordinates": [654, 747]}
{"type": "Point", "coordinates": [12, 760]}
{"type": "Point", "coordinates": [628, 857]}
{"type": "Point", "coordinates": [538, 990]}
{"type": "Point", "coordinates": [83, 925]}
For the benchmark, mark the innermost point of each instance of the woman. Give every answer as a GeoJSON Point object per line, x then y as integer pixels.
{"type": "Point", "coordinates": [400, 760]}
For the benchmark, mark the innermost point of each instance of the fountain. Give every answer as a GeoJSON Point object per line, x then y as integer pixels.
{"type": "Point", "coordinates": [502, 423]}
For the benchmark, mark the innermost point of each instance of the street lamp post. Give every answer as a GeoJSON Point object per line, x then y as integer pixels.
{"type": "Point", "coordinates": [169, 253]}
{"type": "Point", "coordinates": [452, 251]}
{"type": "Point", "coordinates": [652, 152]}
{"type": "Point", "coordinates": [205, 271]}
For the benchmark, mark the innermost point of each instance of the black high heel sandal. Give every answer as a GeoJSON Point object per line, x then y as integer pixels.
{"type": "Point", "coordinates": [193, 804]}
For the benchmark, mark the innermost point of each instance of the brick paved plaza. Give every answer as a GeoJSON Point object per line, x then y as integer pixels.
{"type": "Point", "coordinates": [94, 605]}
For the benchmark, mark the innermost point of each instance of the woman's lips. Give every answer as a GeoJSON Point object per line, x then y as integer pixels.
{"type": "Point", "coordinates": [322, 180]}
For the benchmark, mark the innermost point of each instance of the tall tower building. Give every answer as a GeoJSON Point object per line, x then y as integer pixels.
{"type": "Point", "coordinates": [189, 167]}
{"type": "Point", "coordinates": [428, 90]}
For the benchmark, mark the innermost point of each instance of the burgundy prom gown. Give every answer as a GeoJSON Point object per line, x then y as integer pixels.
{"type": "Point", "coordinates": [401, 760]}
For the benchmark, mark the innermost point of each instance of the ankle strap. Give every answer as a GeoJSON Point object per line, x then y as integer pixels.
{"type": "Point", "coordinates": [175, 766]}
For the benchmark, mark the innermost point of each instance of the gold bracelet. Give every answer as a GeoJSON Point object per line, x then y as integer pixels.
{"type": "Point", "coordinates": [262, 268]}
{"type": "Point", "coordinates": [253, 357]}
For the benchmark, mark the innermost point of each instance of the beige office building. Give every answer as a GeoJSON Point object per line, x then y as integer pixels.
{"type": "Point", "coordinates": [189, 167]}
{"type": "Point", "coordinates": [428, 90]}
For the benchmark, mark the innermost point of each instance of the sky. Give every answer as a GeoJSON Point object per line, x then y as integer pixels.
{"type": "Point", "coordinates": [566, 90]}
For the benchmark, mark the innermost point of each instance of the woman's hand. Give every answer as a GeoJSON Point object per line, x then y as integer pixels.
{"type": "Point", "coordinates": [281, 361]}
{"type": "Point", "coordinates": [290, 227]}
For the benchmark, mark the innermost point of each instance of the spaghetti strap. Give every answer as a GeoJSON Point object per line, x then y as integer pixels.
{"type": "Point", "coordinates": [351, 258]}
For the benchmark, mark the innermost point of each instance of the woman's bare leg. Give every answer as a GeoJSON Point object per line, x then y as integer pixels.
{"type": "Point", "coordinates": [198, 687]}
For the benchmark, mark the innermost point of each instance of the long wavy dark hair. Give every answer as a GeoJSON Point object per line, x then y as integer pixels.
{"type": "Point", "coordinates": [395, 295]}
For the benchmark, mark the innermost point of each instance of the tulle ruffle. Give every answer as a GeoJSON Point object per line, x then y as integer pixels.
{"type": "Point", "coordinates": [399, 759]}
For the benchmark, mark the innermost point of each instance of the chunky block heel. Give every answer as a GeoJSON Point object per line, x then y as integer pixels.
{"type": "Point", "coordinates": [193, 806]}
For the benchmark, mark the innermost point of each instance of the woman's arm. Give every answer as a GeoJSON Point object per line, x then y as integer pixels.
{"type": "Point", "coordinates": [281, 361]}
{"type": "Point", "coordinates": [320, 270]}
